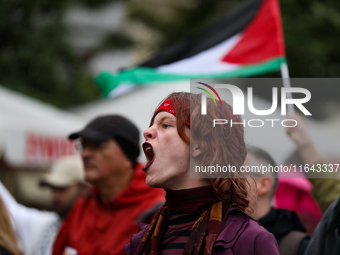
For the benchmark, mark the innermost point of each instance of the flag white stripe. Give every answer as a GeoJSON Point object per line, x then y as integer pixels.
{"type": "Point", "coordinates": [206, 62]}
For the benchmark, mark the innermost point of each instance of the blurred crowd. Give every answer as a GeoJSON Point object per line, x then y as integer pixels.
{"type": "Point", "coordinates": [101, 198]}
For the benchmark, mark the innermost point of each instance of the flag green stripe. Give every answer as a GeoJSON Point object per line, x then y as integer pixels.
{"type": "Point", "coordinates": [146, 76]}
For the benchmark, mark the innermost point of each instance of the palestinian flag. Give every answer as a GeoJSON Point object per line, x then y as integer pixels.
{"type": "Point", "coordinates": [246, 42]}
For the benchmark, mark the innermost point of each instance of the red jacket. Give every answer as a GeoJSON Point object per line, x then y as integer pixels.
{"type": "Point", "coordinates": [93, 227]}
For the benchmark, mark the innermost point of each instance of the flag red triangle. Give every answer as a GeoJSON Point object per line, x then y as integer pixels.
{"type": "Point", "coordinates": [262, 39]}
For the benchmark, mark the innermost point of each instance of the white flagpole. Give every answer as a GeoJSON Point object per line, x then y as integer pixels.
{"type": "Point", "coordinates": [286, 83]}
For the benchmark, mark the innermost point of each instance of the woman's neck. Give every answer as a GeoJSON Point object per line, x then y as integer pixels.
{"type": "Point", "coordinates": [190, 200]}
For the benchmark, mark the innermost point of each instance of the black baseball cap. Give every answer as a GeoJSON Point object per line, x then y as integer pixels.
{"type": "Point", "coordinates": [116, 127]}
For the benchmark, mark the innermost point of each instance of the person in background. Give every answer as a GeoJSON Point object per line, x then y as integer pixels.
{"type": "Point", "coordinates": [103, 221]}
{"type": "Point", "coordinates": [67, 182]}
{"type": "Point", "coordinates": [285, 225]}
{"type": "Point", "coordinates": [326, 186]}
{"type": "Point", "coordinates": [326, 239]}
{"type": "Point", "coordinates": [201, 215]}
{"type": "Point", "coordinates": [326, 190]}
{"type": "Point", "coordinates": [37, 229]}
{"type": "Point", "coordinates": [9, 244]}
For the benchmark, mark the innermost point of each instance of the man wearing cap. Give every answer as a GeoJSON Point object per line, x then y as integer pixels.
{"type": "Point", "coordinates": [104, 220]}
{"type": "Point", "coordinates": [67, 182]}
{"type": "Point", "coordinates": [37, 229]}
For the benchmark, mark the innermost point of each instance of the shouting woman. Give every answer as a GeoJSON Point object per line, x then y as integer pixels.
{"type": "Point", "coordinates": [205, 215]}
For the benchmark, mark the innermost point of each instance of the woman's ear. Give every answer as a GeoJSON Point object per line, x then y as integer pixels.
{"type": "Point", "coordinates": [196, 151]}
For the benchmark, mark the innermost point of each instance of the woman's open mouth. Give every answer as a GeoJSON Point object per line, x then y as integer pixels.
{"type": "Point", "coordinates": [149, 154]}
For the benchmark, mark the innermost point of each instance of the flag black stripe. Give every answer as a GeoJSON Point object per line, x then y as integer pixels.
{"type": "Point", "coordinates": [231, 24]}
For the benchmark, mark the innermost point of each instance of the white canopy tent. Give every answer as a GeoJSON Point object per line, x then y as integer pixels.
{"type": "Point", "coordinates": [139, 105]}
{"type": "Point", "coordinates": [32, 133]}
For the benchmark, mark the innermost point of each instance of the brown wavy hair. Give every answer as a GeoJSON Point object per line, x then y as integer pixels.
{"type": "Point", "coordinates": [8, 239]}
{"type": "Point", "coordinates": [222, 145]}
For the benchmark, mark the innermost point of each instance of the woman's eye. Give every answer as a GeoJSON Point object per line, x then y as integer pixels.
{"type": "Point", "coordinates": [166, 125]}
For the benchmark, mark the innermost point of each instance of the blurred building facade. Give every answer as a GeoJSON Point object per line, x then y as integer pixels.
{"type": "Point", "coordinates": [32, 136]}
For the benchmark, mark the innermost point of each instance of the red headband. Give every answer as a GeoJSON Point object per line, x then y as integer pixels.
{"type": "Point", "coordinates": [167, 106]}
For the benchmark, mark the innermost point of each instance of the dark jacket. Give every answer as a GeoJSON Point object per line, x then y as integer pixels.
{"type": "Point", "coordinates": [325, 236]}
{"type": "Point", "coordinates": [4, 251]}
{"type": "Point", "coordinates": [280, 222]}
{"type": "Point", "coordinates": [240, 235]}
